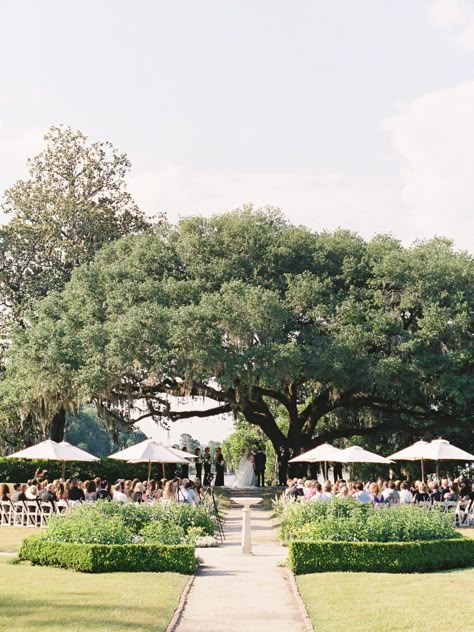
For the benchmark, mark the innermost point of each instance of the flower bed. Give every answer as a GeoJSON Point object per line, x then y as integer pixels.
{"type": "Point", "coordinates": [344, 535]}
{"type": "Point", "coordinates": [346, 520]}
{"type": "Point", "coordinates": [104, 536]}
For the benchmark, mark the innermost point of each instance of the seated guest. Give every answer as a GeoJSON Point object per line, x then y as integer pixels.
{"type": "Point", "coordinates": [377, 497]}
{"type": "Point", "coordinates": [128, 488]}
{"type": "Point", "coordinates": [435, 493]}
{"type": "Point", "coordinates": [169, 492]}
{"type": "Point", "coordinates": [343, 491]}
{"type": "Point", "coordinates": [59, 490]}
{"type": "Point", "coordinates": [5, 492]}
{"type": "Point", "coordinates": [47, 494]}
{"type": "Point", "coordinates": [465, 489]}
{"type": "Point", "coordinates": [119, 496]}
{"type": "Point", "coordinates": [103, 492]}
{"type": "Point", "coordinates": [18, 493]}
{"type": "Point", "coordinates": [421, 495]}
{"type": "Point", "coordinates": [138, 495]}
{"type": "Point", "coordinates": [31, 493]}
{"type": "Point", "coordinates": [90, 494]}
{"type": "Point", "coordinates": [318, 493]}
{"type": "Point", "coordinates": [190, 493]}
{"type": "Point", "coordinates": [444, 487]}
{"type": "Point", "coordinates": [406, 496]}
{"type": "Point", "coordinates": [293, 491]}
{"type": "Point", "coordinates": [74, 492]}
{"type": "Point", "coordinates": [327, 490]}
{"type": "Point", "coordinates": [390, 494]}
{"type": "Point", "coordinates": [361, 494]}
{"type": "Point", "coordinates": [452, 494]}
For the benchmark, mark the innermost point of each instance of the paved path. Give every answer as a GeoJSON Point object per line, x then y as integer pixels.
{"type": "Point", "coordinates": [232, 592]}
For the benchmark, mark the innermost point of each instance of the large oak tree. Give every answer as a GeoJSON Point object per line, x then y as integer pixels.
{"type": "Point", "coordinates": [262, 318]}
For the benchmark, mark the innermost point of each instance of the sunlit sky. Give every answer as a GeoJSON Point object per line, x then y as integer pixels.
{"type": "Point", "coordinates": [343, 113]}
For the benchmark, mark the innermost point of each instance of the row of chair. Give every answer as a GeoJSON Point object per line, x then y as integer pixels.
{"type": "Point", "coordinates": [30, 513]}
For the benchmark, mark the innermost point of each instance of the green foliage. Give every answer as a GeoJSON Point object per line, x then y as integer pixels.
{"type": "Point", "coordinates": [380, 557]}
{"type": "Point", "coordinates": [106, 558]}
{"type": "Point", "coordinates": [347, 520]}
{"type": "Point", "coordinates": [347, 337]}
{"type": "Point", "coordinates": [113, 523]}
{"type": "Point", "coordinates": [159, 532]}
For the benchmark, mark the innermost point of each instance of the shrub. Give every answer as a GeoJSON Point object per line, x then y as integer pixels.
{"type": "Point", "coordinates": [163, 532]}
{"type": "Point", "coordinates": [112, 523]}
{"type": "Point", "coordinates": [100, 558]}
{"type": "Point", "coordinates": [380, 557]}
{"type": "Point", "coordinates": [346, 520]}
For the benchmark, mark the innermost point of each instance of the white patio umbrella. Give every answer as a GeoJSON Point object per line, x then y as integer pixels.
{"type": "Point", "coordinates": [415, 452]}
{"type": "Point", "coordinates": [322, 453]}
{"type": "Point", "coordinates": [442, 450]}
{"type": "Point", "coordinates": [148, 451]}
{"type": "Point", "coordinates": [356, 454]}
{"type": "Point", "coordinates": [52, 451]}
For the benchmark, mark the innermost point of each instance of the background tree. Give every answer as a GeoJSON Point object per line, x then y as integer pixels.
{"type": "Point", "coordinates": [347, 337]}
{"type": "Point", "coordinates": [73, 203]}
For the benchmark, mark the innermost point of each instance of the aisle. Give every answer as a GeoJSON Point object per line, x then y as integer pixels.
{"type": "Point", "coordinates": [233, 593]}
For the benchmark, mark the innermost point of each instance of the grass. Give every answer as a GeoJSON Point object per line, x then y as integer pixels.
{"type": "Point", "coordinates": [49, 599]}
{"type": "Point", "coordinates": [12, 537]}
{"type": "Point", "coordinates": [384, 602]}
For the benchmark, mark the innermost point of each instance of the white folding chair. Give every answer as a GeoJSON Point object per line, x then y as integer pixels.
{"type": "Point", "coordinates": [32, 513]}
{"type": "Point", "coordinates": [19, 514]}
{"type": "Point", "coordinates": [6, 511]}
{"type": "Point", "coordinates": [61, 506]}
{"type": "Point", "coordinates": [46, 510]}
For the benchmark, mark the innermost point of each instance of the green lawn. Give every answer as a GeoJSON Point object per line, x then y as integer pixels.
{"type": "Point", "coordinates": [39, 598]}
{"type": "Point", "coordinates": [385, 602]}
{"type": "Point", "coordinates": [12, 537]}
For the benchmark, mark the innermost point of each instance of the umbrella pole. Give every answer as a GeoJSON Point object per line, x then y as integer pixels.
{"type": "Point", "coordinates": [422, 471]}
{"type": "Point", "coordinates": [63, 470]}
{"type": "Point", "coordinates": [149, 470]}
{"type": "Point", "coordinates": [325, 470]}
{"type": "Point", "coordinates": [163, 470]}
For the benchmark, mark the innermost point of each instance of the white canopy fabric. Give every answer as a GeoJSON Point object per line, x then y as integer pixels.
{"type": "Point", "coordinates": [414, 452]}
{"type": "Point", "coordinates": [324, 452]}
{"type": "Point", "coordinates": [48, 450]}
{"type": "Point", "coordinates": [442, 450]}
{"type": "Point", "coordinates": [181, 453]}
{"type": "Point", "coordinates": [76, 454]}
{"type": "Point", "coordinates": [356, 454]}
{"type": "Point", "coordinates": [148, 450]}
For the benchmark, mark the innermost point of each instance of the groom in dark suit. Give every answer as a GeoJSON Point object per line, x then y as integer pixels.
{"type": "Point", "coordinates": [259, 459]}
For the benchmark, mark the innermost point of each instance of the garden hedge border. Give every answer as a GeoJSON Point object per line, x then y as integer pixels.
{"type": "Point", "coordinates": [380, 557]}
{"type": "Point", "coordinates": [107, 558]}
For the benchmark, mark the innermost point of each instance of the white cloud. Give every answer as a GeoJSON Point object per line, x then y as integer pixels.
{"type": "Point", "coordinates": [456, 17]}
{"type": "Point", "coordinates": [434, 135]}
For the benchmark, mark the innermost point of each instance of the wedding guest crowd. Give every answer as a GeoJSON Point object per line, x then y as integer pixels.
{"type": "Point", "coordinates": [381, 491]}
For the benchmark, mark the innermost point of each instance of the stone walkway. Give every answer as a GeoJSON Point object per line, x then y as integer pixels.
{"type": "Point", "coordinates": [232, 592]}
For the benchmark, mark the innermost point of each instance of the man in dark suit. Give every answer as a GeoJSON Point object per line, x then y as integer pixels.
{"type": "Point", "coordinates": [282, 466]}
{"type": "Point", "coordinates": [259, 459]}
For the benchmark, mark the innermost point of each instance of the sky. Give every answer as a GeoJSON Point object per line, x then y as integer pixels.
{"type": "Point", "coordinates": [342, 113]}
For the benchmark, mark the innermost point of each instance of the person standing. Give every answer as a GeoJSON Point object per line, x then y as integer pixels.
{"type": "Point", "coordinates": [282, 466]}
{"type": "Point", "coordinates": [198, 463]}
{"type": "Point", "coordinates": [219, 461]}
{"type": "Point", "coordinates": [207, 464]}
{"type": "Point", "coordinates": [184, 466]}
{"type": "Point", "coordinates": [260, 460]}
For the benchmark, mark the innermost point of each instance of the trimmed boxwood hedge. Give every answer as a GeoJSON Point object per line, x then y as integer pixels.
{"type": "Point", "coordinates": [380, 557]}
{"type": "Point", "coordinates": [105, 558]}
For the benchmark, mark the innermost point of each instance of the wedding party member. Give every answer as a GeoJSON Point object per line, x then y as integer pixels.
{"type": "Point", "coordinates": [260, 459]}
{"type": "Point", "coordinates": [219, 461]}
{"type": "Point", "coordinates": [198, 463]}
{"type": "Point", "coordinates": [207, 464]}
{"type": "Point", "coordinates": [184, 466]}
{"type": "Point", "coordinates": [282, 466]}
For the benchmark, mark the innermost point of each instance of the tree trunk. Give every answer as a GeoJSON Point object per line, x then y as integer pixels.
{"type": "Point", "coordinates": [58, 424]}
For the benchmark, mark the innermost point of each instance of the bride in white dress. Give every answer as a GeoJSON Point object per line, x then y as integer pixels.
{"type": "Point", "coordinates": [245, 476]}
